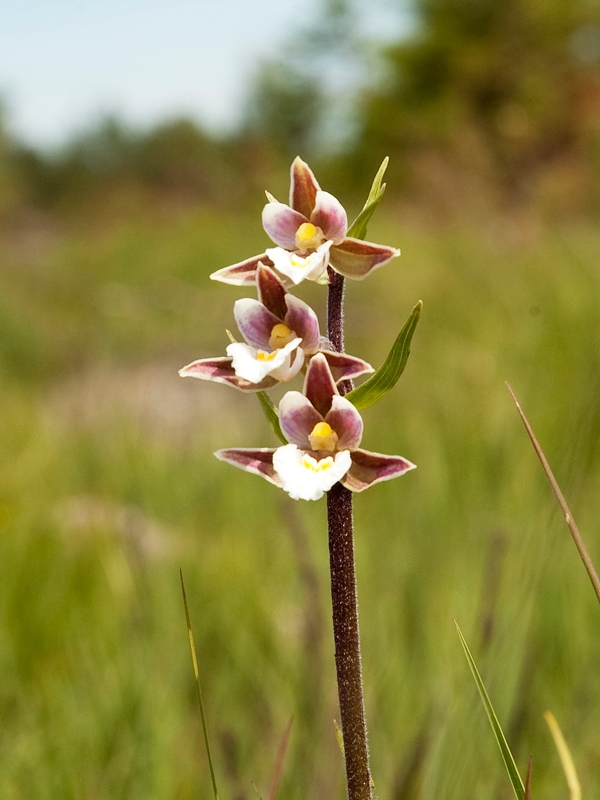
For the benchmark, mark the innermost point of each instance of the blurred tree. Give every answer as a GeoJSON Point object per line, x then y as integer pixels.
{"type": "Point", "coordinates": [174, 160]}
{"type": "Point", "coordinates": [300, 100]}
{"type": "Point", "coordinates": [505, 89]}
{"type": "Point", "coordinates": [9, 179]}
{"type": "Point", "coordinates": [284, 109]}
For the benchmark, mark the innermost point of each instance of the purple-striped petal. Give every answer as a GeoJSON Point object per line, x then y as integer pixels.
{"type": "Point", "coordinates": [369, 468]}
{"type": "Point", "coordinates": [303, 188]}
{"type": "Point", "coordinates": [221, 371]}
{"type": "Point", "coordinates": [330, 215]}
{"type": "Point", "coordinates": [258, 461]}
{"type": "Point", "coordinates": [345, 420]}
{"type": "Point", "coordinates": [319, 386]}
{"type": "Point", "coordinates": [345, 367]}
{"type": "Point", "coordinates": [255, 322]}
{"type": "Point", "coordinates": [356, 259]}
{"type": "Point", "coordinates": [281, 223]}
{"type": "Point", "coordinates": [242, 273]}
{"type": "Point", "coordinates": [301, 319]}
{"type": "Point", "coordinates": [297, 418]}
{"type": "Point", "coordinates": [271, 291]}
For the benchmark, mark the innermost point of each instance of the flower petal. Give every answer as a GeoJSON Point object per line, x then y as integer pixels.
{"type": "Point", "coordinates": [259, 461]}
{"type": "Point", "coordinates": [243, 273]}
{"type": "Point", "coordinates": [292, 366]}
{"type": "Point", "coordinates": [305, 477]}
{"type": "Point", "coordinates": [356, 259]}
{"type": "Point", "coordinates": [271, 291]}
{"type": "Point", "coordinates": [281, 223]}
{"type": "Point", "coordinates": [345, 367]}
{"type": "Point", "coordinates": [346, 422]}
{"type": "Point", "coordinates": [254, 365]}
{"type": "Point", "coordinates": [221, 370]}
{"type": "Point", "coordinates": [301, 319]}
{"type": "Point", "coordinates": [303, 187]}
{"type": "Point", "coordinates": [330, 215]}
{"type": "Point", "coordinates": [319, 386]}
{"type": "Point", "coordinates": [299, 268]}
{"type": "Point", "coordinates": [297, 418]}
{"type": "Point", "coordinates": [254, 321]}
{"type": "Point", "coordinates": [369, 468]}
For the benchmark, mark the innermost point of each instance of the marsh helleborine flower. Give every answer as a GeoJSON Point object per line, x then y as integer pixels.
{"type": "Point", "coordinates": [280, 332]}
{"type": "Point", "coordinates": [323, 430]}
{"type": "Point", "coordinates": [310, 234]}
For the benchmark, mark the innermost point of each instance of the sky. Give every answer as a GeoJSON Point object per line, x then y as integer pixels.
{"type": "Point", "coordinates": [64, 63]}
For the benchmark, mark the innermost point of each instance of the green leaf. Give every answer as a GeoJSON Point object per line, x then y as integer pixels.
{"type": "Point", "coordinates": [507, 756]}
{"type": "Point", "coordinates": [379, 384]}
{"type": "Point", "coordinates": [358, 229]}
{"type": "Point", "coordinates": [271, 414]}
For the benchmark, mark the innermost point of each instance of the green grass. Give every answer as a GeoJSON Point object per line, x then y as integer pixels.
{"type": "Point", "coordinates": [108, 486]}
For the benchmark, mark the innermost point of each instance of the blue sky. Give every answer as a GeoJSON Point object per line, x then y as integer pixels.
{"type": "Point", "coordinates": [65, 62]}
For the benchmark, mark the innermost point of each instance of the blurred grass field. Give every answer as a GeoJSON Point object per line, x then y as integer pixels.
{"type": "Point", "coordinates": [108, 486]}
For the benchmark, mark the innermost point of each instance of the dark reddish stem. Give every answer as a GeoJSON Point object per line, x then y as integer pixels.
{"type": "Point", "coordinates": [344, 596]}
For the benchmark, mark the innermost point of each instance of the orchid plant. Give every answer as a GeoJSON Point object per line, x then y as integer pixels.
{"type": "Point", "coordinates": [320, 428]}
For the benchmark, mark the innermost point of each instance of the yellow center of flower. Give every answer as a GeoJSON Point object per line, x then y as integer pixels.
{"type": "Point", "coordinates": [323, 437]}
{"type": "Point", "coordinates": [298, 261]}
{"type": "Point", "coordinates": [280, 336]}
{"type": "Point", "coordinates": [317, 466]}
{"type": "Point", "coordinates": [308, 237]}
{"type": "Point", "coordinates": [306, 231]}
{"type": "Point", "coordinates": [262, 355]}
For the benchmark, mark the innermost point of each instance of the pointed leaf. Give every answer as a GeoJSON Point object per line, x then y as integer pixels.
{"type": "Point", "coordinates": [358, 229]}
{"type": "Point", "coordinates": [379, 384]}
{"type": "Point", "coordinates": [507, 756]}
{"type": "Point", "coordinates": [271, 414]}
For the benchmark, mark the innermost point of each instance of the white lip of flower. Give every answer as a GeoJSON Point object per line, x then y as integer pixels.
{"type": "Point", "coordinates": [299, 267]}
{"type": "Point", "coordinates": [254, 365]}
{"type": "Point", "coordinates": [304, 477]}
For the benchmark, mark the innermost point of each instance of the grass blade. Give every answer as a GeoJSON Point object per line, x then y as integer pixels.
{"type": "Point", "coordinates": [198, 687]}
{"type": "Point", "coordinates": [565, 756]}
{"type": "Point", "coordinates": [507, 756]}
{"type": "Point", "coordinates": [386, 377]}
{"type": "Point", "coordinates": [279, 762]}
{"type": "Point", "coordinates": [271, 414]}
{"type": "Point", "coordinates": [528, 779]}
{"type": "Point", "coordinates": [577, 537]}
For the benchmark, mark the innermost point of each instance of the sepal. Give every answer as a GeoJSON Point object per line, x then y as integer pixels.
{"type": "Point", "coordinates": [303, 187]}
{"type": "Point", "coordinates": [220, 370]}
{"type": "Point", "coordinates": [258, 461]}
{"type": "Point", "coordinates": [370, 468]}
{"type": "Point", "coordinates": [243, 273]}
{"type": "Point", "coordinates": [356, 259]}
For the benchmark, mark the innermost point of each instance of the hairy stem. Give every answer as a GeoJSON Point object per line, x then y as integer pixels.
{"type": "Point", "coordinates": [343, 594]}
